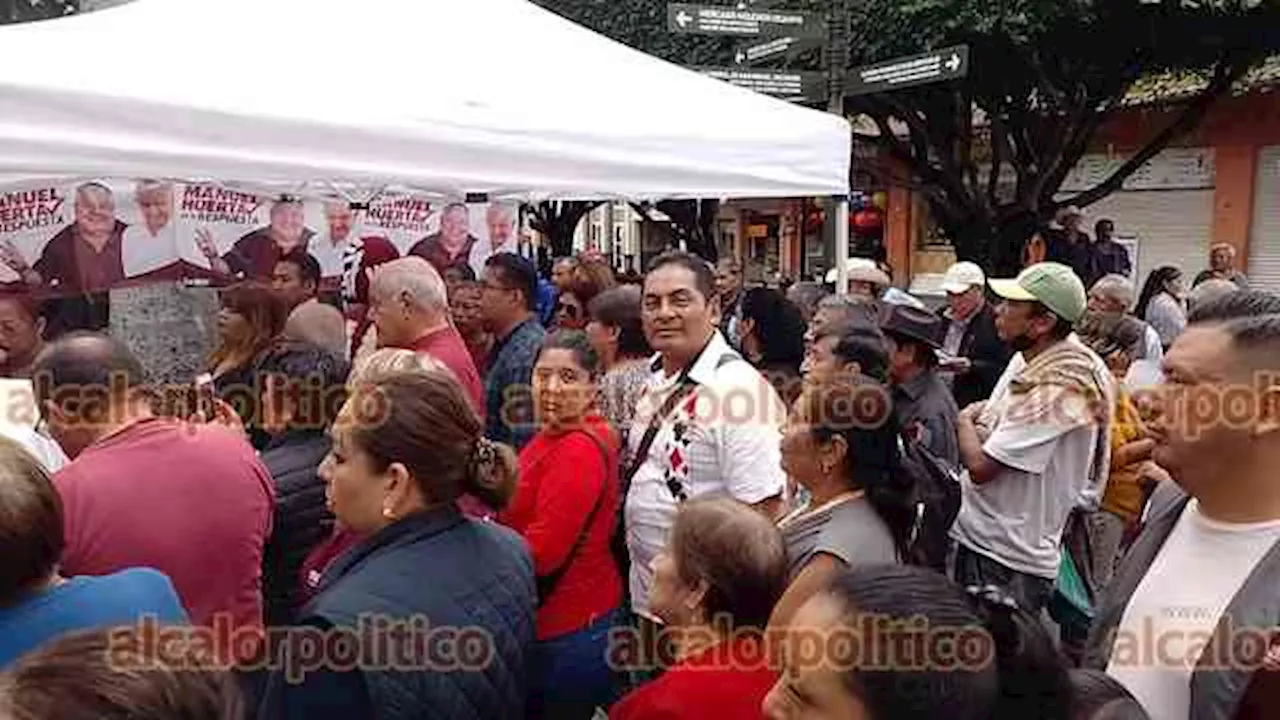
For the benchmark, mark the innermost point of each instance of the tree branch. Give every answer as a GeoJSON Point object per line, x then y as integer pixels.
{"type": "Point", "coordinates": [1230, 69]}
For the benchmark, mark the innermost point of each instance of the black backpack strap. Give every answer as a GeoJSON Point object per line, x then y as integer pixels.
{"type": "Point", "coordinates": [547, 583]}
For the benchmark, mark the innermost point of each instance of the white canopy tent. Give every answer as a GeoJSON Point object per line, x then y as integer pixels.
{"type": "Point", "coordinates": [437, 96]}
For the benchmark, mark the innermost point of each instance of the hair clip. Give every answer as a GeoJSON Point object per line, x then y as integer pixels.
{"type": "Point", "coordinates": [485, 453]}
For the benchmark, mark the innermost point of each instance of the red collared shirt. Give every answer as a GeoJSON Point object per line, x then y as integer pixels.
{"type": "Point", "coordinates": [447, 346]}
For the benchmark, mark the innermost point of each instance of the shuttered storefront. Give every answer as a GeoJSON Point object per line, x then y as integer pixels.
{"type": "Point", "coordinates": [1172, 227]}
{"type": "Point", "coordinates": [1264, 241]}
{"type": "Point", "coordinates": [1166, 207]}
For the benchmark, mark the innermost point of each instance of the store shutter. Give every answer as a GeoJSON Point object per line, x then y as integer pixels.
{"type": "Point", "coordinates": [1173, 227]}
{"type": "Point", "coordinates": [1264, 241]}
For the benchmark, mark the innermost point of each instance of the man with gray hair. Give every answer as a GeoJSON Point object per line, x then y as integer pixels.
{"type": "Point", "coordinates": [845, 311]}
{"type": "Point", "coordinates": [318, 324]}
{"type": "Point", "coordinates": [410, 309]}
{"type": "Point", "coordinates": [1114, 295]}
{"type": "Point", "coordinates": [1208, 291]}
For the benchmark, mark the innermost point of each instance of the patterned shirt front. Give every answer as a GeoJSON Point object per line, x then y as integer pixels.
{"type": "Point", "coordinates": [508, 395]}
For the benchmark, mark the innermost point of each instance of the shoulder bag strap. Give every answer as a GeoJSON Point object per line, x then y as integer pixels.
{"type": "Point", "coordinates": [682, 391]}
{"type": "Point", "coordinates": [547, 583]}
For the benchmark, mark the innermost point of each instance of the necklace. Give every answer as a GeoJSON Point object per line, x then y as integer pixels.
{"type": "Point", "coordinates": [800, 512]}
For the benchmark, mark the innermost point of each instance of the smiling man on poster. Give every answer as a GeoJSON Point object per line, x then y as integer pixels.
{"type": "Point", "coordinates": [452, 245]}
{"type": "Point", "coordinates": [254, 255]}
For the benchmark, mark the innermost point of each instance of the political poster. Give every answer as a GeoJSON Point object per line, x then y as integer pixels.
{"type": "Point", "coordinates": [85, 237]}
{"type": "Point", "coordinates": [78, 239]}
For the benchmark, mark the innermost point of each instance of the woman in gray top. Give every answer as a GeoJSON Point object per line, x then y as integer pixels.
{"type": "Point", "coordinates": [841, 444]}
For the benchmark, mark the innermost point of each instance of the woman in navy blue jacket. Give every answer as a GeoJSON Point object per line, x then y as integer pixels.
{"type": "Point", "coordinates": [432, 614]}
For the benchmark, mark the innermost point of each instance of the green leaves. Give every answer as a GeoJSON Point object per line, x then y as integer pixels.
{"type": "Point", "coordinates": [1045, 75]}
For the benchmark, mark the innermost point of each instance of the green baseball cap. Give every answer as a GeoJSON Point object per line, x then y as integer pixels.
{"type": "Point", "coordinates": [1051, 284]}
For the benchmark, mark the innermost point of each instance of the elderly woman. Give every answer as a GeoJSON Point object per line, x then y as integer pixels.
{"type": "Point", "coordinates": [1006, 667]}
{"type": "Point", "coordinates": [404, 448]}
{"type": "Point", "coordinates": [714, 587]}
{"type": "Point", "coordinates": [36, 604]}
{"type": "Point", "coordinates": [841, 445]}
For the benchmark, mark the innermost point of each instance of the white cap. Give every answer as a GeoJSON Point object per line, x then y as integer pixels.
{"type": "Point", "coordinates": [861, 270]}
{"type": "Point", "coordinates": [962, 276]}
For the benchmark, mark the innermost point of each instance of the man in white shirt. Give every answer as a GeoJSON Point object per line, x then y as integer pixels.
{"type": "Point", "coordinates": [1039, 447]}
{"type": "Point", "coordinates": [720, 434]}
{"type": "Point", "coordinates": [1189, 619]}
{"type": "Point", "coordinates": [500, 220]}
{"type": "Point", "coordinates": [329, 249]}
{"type": "Point", "coordinates": [150, 245]}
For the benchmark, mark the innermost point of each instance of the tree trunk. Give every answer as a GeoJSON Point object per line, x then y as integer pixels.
{"type": "Point", "coordinates": [996, 247]}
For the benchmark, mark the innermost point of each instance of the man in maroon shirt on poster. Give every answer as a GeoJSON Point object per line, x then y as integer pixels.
{"type": "Point", "coordinates": [409, 307]}
{"type": "Point", "coordinates": [254, 256]}
{"type": "Point", "coordinates": [85, 256]}
{"type": "Point", "coordinates": [191, 501]}
{"type": "Point", "coordinates": [452, 245]}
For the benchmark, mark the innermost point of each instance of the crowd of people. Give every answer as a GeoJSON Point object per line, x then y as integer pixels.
{"type": "Point", "coordinates": [508, 496]}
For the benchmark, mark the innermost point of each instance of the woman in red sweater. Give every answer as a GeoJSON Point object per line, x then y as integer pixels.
{"type": "Point", "coordinates": [724, 568]}
{"type": "Point", "coordinates": [566, 509]}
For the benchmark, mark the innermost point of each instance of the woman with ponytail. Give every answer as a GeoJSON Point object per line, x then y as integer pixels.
{"type": "Point", "coordinates": [841, 445]}
{"type": "Point", "coordinates": [437, 608]}
{"type": "Point", "coordinates": [917, 647]}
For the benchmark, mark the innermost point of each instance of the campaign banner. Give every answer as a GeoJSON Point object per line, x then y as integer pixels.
{"type": "Point", "coordinates": [75, 239]}
{"type": "Point", "coordinates": [85, 237]}
{"type": "Point", "coordinates": [449, 234]}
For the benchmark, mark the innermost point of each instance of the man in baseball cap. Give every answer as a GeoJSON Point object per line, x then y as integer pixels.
{"type": "Point", "coordinates": [1044, 302]}
{"type": "Point", "coordinates": [973, 355]}
{"type": "Point", "coordinates": [1039, 446]}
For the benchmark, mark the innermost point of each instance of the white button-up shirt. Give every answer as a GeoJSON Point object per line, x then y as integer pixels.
{"type": "Point", "coordinates": [722, 438]}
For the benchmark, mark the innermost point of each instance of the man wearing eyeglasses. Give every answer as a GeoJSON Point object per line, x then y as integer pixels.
{"type": "Point", "coordinates": [507, 302]}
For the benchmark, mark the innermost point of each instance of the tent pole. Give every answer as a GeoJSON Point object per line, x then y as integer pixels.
{"type": "Point", "coordinates": [842, 245]}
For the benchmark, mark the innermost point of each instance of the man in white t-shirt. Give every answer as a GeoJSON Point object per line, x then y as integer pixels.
{"type": "Point", "coordinates": [329, 249]}
{"type": "Point", "coordinates": [1038, 448]}
{"type": "Point", "coordinates": [1189, 621]}
{"type": "Point", "coordinates": [722, 433]}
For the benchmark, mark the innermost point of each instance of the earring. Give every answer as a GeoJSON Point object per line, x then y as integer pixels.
{"type": "Point", "coordinates": [388, 513]}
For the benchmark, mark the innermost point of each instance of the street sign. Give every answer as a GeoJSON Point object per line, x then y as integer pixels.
{"type": "Point", "coordinates": [683, 18]}
{"type": "Point", "coordinates": [758, 52]}
{"type": "Point", "coordinates": [792, 85]}
{"type": "Point", "coordinates": [940, 65]}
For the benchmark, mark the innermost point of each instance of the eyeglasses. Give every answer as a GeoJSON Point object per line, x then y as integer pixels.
{"type": "Point", "coordinates": [570, 310]}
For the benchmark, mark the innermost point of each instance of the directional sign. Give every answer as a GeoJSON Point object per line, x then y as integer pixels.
{"type": "Point", "coordinates": [757, 52]}
{"type": "Point", "coordinates": [743, 22]}
{"type": "Point", "coordinates": [946, 64]}
{"type": "Point", "coordinates": [796, 85]}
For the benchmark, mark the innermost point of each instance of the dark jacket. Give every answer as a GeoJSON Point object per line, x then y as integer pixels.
{"type": "Point", "coordinates": [301, 519]}
{"type": "Point", "coordinates": [1233, 692]}
{"type": "Point", "coordinates": [989, 354]}
{"type": "Point", "coordinates": [454, 583]}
